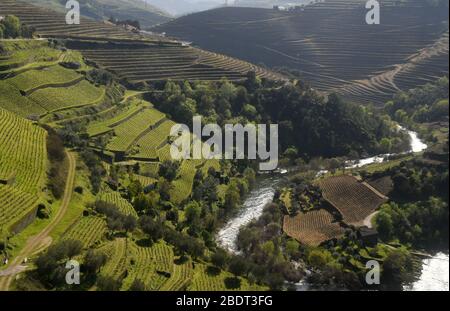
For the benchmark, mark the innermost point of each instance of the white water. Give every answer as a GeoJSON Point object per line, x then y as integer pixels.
{"type": "Point", "coordinates": [253, 208]}
{"type": "Point", "coordinates": [435, 274]}
{"type": "Point", "coordinates": [416, 146]}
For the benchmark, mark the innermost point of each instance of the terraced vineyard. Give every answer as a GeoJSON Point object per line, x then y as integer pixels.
{"type": "Point", "coordinates": [55, 98]}
{"type": "Point", "coordinates": [88, 230]}
{"type": "Point", "coordinates": [106, 126]}
{"type": "Point", "coordinates": [53, 24]}
{"type": "Point", "coordinates": [116, 251]}
{"type": "Point", "coordinates": [23, 162]}
{"type": "Point", "coordinates": [115, 198]}
{"type": "Point", "coordinates": [145, 181]}
{"type": "Point", "coordinates": [313, 228]}
{"type": "Point", "coordinates": [355, 200]}
{"type": "Point", "coordinates": [154, 140]}
{"type": "Point", "coordinates": [204, 281]}
{"type": "Point", "coordinates": [12, 100]}
{"type": "Point", "coordinates": [151, 265]}
{"type": "Point", "coordinates": [330, 44]}
{"type": "Point", "coordinates": [133, 56]}
{"type": "Point", "coordinates": [180, 279]}
{"type": "Point", "coordinates": [33, 80]}
{"type": "Point", "coordinates": [127, 133]}
{"type": "Point", "coordinates": [23, 152]}
{"type": "Point", "coordinates": [154, 62]}
{"type": "Point", "coordinates": [182, 186]}
{"type": "Point", "coordinates": [21, 55]}
{"type": "Point", "coordinates": [146, 14]}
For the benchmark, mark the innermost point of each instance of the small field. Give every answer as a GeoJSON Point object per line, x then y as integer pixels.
{"type": "Point", "coordinates": [355, 200]}
{"type": "Point", "coordinates": [88, 230]}
{"type": "Point", "coordinates": [313, 228]}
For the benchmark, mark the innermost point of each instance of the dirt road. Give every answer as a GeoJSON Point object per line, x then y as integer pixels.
{"type": "Point", "coordinates": [40, 241]}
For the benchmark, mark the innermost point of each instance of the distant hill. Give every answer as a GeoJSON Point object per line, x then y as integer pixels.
{"type": "Point", "coordinates": [182, 7]}
{"type": "Point", "coordinates": [267, 3]}
{"type": "Point", "coordinates": [330, 44]}
{"type": "Point", "coordinates": [146, 14]}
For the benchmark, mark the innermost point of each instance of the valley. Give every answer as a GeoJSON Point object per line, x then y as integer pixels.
{"type": "Point", "coordinates": [86, 171]}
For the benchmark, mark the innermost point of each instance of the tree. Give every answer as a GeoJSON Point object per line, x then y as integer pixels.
{"type": "Point", "coordinates": [135, 188]}
{"type": "Point", "coordinates": [384, 225]}
{"type": "Point", "coordinates": [137, 286]}
{"type": "Point", "coordinates": [169, 170]}
{"type": "Point", "coordinates": [238, 265]}
{"type": "Point", "coordinates": [129, 223]}
{"type": "Point", "coordinates": [72, 248]}
{"type": "Point", "coordinates": [232, 197]}
{"type": "Point", "coordinates": [164, 188]}
{"type": "Point", "coordinates": [219, 258]}
{"type": "Point", "coordinates": [12, 26]}
{"type": "Point", "coordinates": [319, 258]}
{"type": "Point", "coordinates": [93, 261]}
{"type": "Point", "coordinates": [153, 229]}
{"type": "Point", "coordinates": [193, 211]}
{"type": "Point", "coordinates": [397, 269]}
{"type": "Point", "coordinates": [108, 284]}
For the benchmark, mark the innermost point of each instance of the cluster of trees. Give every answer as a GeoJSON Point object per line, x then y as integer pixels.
{"type": "Point", "coordinates": [58, 167]}
{"type": "Point", "coordinates": [133, 23]}
{"type": "Point", "coordinates": [51, 266]}
{"type": "Point", "coordinates": [415, 180]}
{"type": "Point", "coordinates": [115, 219]}
{"type": "Point", "coordinates": [428, 103]}
{"type": "Point", "coordinates": [11, 28]}
{"type": "Point", "coordinates": [316, 126]}
{"type": "Point", "coordinates": [266, 254]}
{"type": "Point", "coordinates": [96, 169]}
{"type": "Point", "coordinates": [423, 224]}
{"type": "Point", "coordinates": [419, 212]}
{"type": "Point", "coordinates": [100, 77]}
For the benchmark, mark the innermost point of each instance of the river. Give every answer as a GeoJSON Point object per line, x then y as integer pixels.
{"type": "Point", "coordinates": [434, 276]}
{"type": "Point", "coordinates": [435, 271]}
{"type": "Point", "coordinates": [257, 199]}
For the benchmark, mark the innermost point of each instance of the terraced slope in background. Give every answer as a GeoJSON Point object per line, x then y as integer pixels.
{"type": "Point", "coordinates": [51, 23]}
{"type": "Point", "coordinates": [146, 14]}
{"type": "Point", "coordinates": [134, 56]}
{"type": "Point", "coordinates": [331, 44]}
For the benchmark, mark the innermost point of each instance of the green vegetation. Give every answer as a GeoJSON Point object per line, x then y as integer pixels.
{"type": "Point", "coordinates": [36, 79]}
{"type": "Point", "coordinates": [81, 94]}
{"type": "Point", "coordinates": [428, 103]}
{"type": "Point", "coordinates": [11, 28]}
{"type": "Point", "coordinates": [23, 163]}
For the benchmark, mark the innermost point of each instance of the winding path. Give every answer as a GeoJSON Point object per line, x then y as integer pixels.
{"type": "Point", "coordinates": [42, 240]}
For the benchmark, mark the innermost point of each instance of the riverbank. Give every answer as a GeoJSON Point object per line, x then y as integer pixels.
{"type": "Point", "coordinates": [264, 193]}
